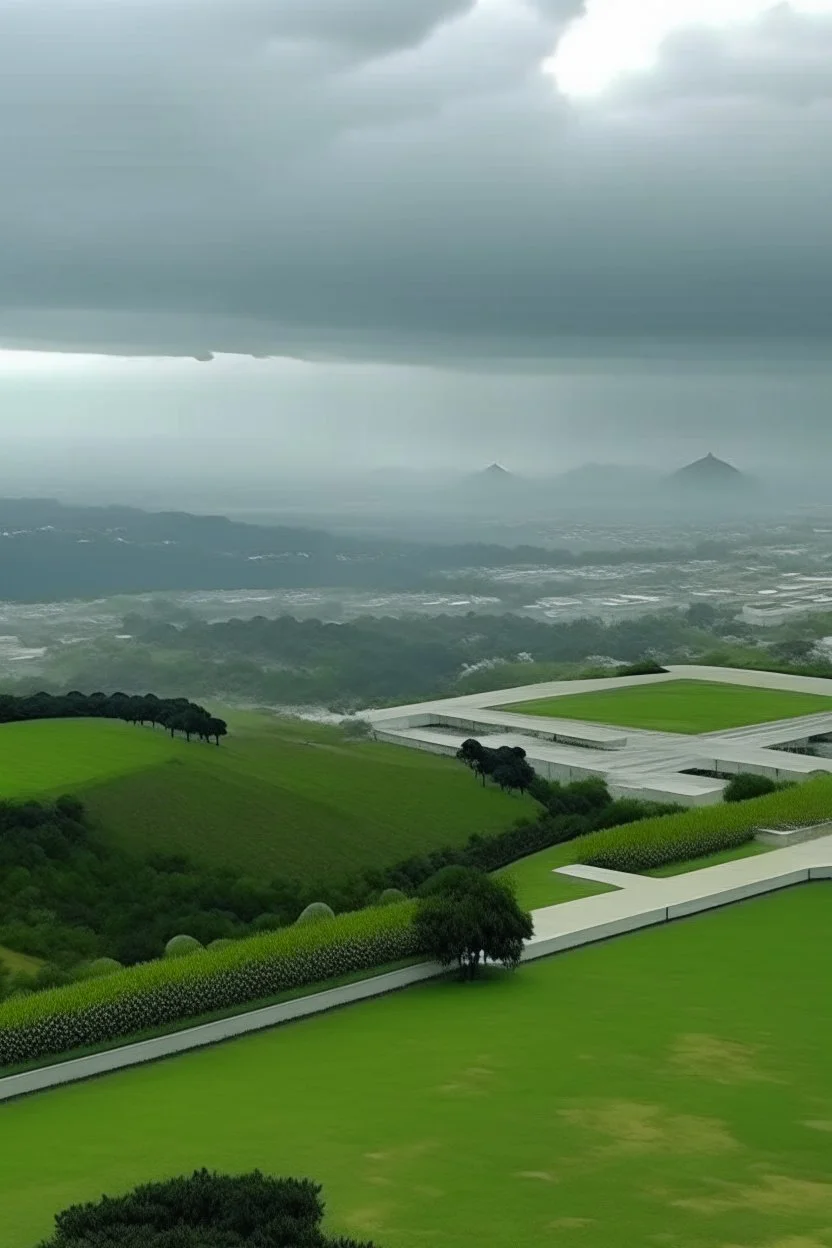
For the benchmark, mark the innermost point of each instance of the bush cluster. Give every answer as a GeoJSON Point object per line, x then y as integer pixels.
{"type": "Point", "coordinates": [747, 785]}
{"type": "Point", "coordinates": [95, 1011]}
{"type": "Point", "coordinates": [203, 1210]}
{"type": "Point", "coordinates": [68, 896]}
{"type": "Point", "coordinates": [707, 830]}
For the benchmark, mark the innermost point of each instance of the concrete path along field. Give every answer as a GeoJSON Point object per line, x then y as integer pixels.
{"type": "Point", "coordinates": [641, 901]}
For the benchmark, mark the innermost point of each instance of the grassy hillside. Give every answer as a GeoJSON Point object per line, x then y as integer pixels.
{"type": "Point", "coordinates": [671, 1087]}
{"type": "Point", "coordinates": [680, 706]}
{"type": "Point", "coordinates": [12, 961]}
{"type": "Point", "coordinates": [278, 798]}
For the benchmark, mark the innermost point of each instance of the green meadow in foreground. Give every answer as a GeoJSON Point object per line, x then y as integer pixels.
{"type": "Point", "coordinates": [671, 1087]}
{"type": "Point", "coordinates": [688, 706]}
{"type": "Point", "coordinates": [278, 798]}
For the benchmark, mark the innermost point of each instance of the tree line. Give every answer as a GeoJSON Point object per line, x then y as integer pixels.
{"type": "Point", "coordinates": [367, 661]}
{"type": "Point", "coordinates": [173, 714]}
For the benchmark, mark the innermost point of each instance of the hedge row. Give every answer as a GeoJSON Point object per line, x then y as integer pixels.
{"type": "Point", "coordinates": [706, 830]}
{"type": "Point", "coordinates": [154, 994]}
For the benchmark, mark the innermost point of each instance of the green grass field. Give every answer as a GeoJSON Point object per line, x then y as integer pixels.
{"type": "Point", "coordinates": [278, 797]}
{"type": "Point", "coordinates": [671, 1087]}
{"type": "Point", "coordinates": [688, 706]}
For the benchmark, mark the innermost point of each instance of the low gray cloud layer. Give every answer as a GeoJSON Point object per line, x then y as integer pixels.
{"type": "Point", "coordinates": [400, 181]}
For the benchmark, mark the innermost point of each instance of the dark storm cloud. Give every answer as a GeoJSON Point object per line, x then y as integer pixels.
{"type": "Point", "coordinates": [397, 179]}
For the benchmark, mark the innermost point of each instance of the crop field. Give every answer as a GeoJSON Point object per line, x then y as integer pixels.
{"type": "Point", "coordinates": [639, 1092]}
{"type": "Point", "coordinates": [687, 706]}
{"type": "Point", "coordinates": [277, 798]}
{"type": "Point", "coordinates": [703, 831]}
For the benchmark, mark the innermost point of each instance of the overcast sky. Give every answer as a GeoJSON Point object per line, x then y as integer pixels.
{"type": "Point", "coordinates": [452, 230]}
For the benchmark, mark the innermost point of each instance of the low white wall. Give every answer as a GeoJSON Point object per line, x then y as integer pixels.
{"type": "Point", "coordinates": [622, 916]}
{"type": "Point", "coordinates": [212, 1033]}
{"type": "Point", "coordinates": [795, 836]}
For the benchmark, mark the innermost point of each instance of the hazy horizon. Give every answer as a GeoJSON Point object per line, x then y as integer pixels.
{"type": "Point", "coordinates": [309, 239]}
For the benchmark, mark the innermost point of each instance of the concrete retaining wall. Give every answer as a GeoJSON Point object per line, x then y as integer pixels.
{"type": "Point", "coordinates": [794, 836]}
{"type": "Point", "coordinates": [212, 1033]}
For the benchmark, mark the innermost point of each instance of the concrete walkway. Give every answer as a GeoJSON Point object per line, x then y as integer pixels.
{"type": "Point", "coordinates": [640, 901]}
{"type": "Point", "coordinates": [685, 768]}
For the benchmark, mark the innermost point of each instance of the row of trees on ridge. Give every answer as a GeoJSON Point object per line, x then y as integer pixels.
{"type": "Point", "coordinates": [173, 714]}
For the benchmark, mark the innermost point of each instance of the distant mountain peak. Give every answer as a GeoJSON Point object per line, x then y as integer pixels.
{"type": "Point", "coordinates": [496, 470]}
{"type": "Point", "coordinates": [709, 470]}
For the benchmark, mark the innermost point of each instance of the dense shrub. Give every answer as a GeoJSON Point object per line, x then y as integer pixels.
{"type": "Point", "coordinates": [202, 1211]}
{"type": "Point", "coordinates": [315, 912]}
{"type": "Point", "coordinates": [391, 897]}
{"type": "Point", "coordinates": [181, 946]}
{"type": "Point", "coordinates": [747, 785]}
{"type": "Point", "coordinates": [101, 966]}
{"type": "Point", "coordinates": [68, 896]}
{"type": "Point", "coordinates": [707, 830]}
{"type": "Point", "coordinates": [154, 994]}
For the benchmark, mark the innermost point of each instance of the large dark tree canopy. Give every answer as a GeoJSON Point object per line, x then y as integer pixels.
{"type": "Point", "coordinates": [203, 1211]}
{"type": "Point", "coordinates": [466, 916]}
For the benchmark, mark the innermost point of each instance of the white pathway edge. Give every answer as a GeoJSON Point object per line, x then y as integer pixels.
{"type": "Point", "coordinates": [643, 902]}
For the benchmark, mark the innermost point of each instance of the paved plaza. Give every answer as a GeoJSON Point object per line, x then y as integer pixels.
{"type": "Point", "coordinates": [657, 766]}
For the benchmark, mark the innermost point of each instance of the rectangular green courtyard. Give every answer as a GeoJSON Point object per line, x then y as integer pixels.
{"type": "Point", "coordinates": [668, 1088]}
{"type": "Point", "coordinates": [688, 706]}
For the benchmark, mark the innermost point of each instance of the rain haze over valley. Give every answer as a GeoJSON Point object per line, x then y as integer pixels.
{"type": "Point", "coordinates": [400, 288]}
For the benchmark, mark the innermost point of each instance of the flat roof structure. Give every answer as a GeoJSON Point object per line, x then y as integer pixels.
{"type": "Point", "coordinates": [635, 762]}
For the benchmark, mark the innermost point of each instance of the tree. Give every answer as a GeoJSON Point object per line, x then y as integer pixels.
{"type": "Point", "coordinates": [216, 728]}
{"type": "Point", "coordinates": [513, 773]}
{"type": "Point", "coordinates": [466, 916]}
{"type": "Point", "coordinates": [470, 752]}
{"type": "Point", "coordinates": [203, 1211]}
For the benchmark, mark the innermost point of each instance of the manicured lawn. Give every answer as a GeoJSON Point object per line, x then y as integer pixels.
{"type": "Point", "coordinates": [670, 1088]}
{"type": "Point", "coordinates": [679, 706]}
{"type": "Point", "coordinates": [537, 885]}
{"type": "Point", "coordinates": [58, 755]}
{"type": "Point", "coordinates": [278, 797]}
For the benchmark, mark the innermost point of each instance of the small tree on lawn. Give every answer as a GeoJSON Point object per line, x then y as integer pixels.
{"type": "Point", "coordinates": [465, 917]}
